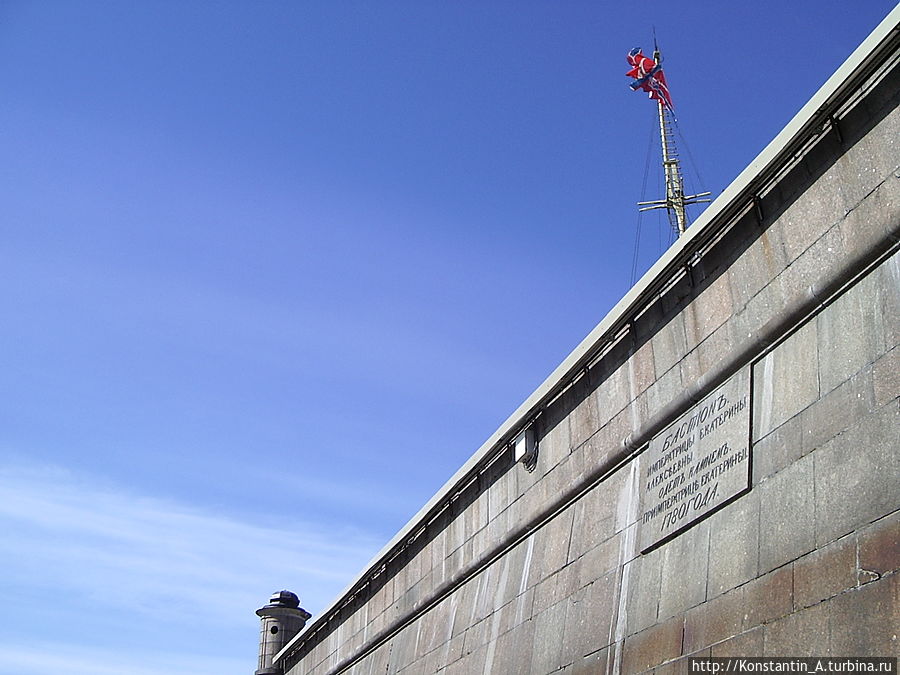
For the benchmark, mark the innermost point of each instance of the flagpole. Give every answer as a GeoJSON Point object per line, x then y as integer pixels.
{"type": "Point", "coordinates": [672, 170]}
{"type": "Point", "coordinates": [675, 200]}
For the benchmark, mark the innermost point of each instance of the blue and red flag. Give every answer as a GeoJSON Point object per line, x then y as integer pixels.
{"type": "Point", "coordinates": [648, 75]}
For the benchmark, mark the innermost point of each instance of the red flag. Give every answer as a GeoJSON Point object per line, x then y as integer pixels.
{"type": "Point", "coordinates": [648, 75]}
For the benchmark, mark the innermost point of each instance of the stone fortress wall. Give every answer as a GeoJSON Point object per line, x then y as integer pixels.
{"type": "Point", "coordinates": [717, 463]}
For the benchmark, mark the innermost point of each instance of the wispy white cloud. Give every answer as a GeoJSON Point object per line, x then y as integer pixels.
{"type": "Point", "coordinates": [37, 659]}
{"type": "Point", "coordinates": [90, 545]}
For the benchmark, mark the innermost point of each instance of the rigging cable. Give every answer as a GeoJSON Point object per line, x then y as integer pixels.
{"type": "Point", "coordinates": [637, 235]}
{"type": "Point", "coordinates": [690, 155]}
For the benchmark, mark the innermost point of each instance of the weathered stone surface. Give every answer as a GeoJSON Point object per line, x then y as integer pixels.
{"type": "Point", "coordinates": [638, 413]}
{"type": "Point", "coordinates": [690, 367]}
{"type": "Point", "coordinates": [761, 262]}
{"type": "Point", "coordinates": [628, 505]}
{"type": "Point", "coordinates": [514, 650]}
{"type": "Point", "coordinates": [362, 667]}
{"type": "Point", "coordinates": [887, 282]}
{"type": "Point", "coordinates": [778, 449]}
{"type": "Point", "coordinates": [854, 488]}
{"type": "Point", "coordinates": [501, 493]}
{"type": "Point", "coordinates": [492, 642]}
{"type": "Point", "coordinates": [434, 628]}
{"type": "Point", "coordinates": [803, 633]}
{"type": "Point", "coordinates": [759, 309]}
{"type": "Point", "coordinates": [825, 572]}
{"type": "Point", "coordinates": [546, 593]}
{"type": "Point", "coordinates": [381, 658]}
{"type": "Point", "coordinates": [482, 589]}
{"type": "Point", "coordinates": [684, 568]}
{"type": "Point", "coordinates": [879, 548]}
{"type": "Point", "coordinates": [595, 516]}
{"type": "Point", "coordinates": [823, 260]}
{"type": "Point", "coordinates": [517, 611]}
{"type": "Point", "coordinates": [865, 621]}
{"type": "Point", "coordinates": [653, 646]}
{"type": "Point", "coordinates": [870, 160]}
{"type": "Point", "coordinates": [549, 626]}
{"type": "Point", "coordinates": [600, 661]}
{"type": "Point", "coordinates": [553, 445]}
{"type": "Point", "coordinates": [589, 618]}
{"type": "Point", "coordinates": [522, 511]}
{"type": "Point", "coordinates": [577, 465]}
{"type": "Point", "coordinates": [473, 662]}
{"type": "Point", "coordinates": [666, 389]}
{"type": "Point", "coordinates": [551, 549]}
{"type": "Point", "coordinates": [669, 345]}
{"type": "Point", "coordinates": [785, 381]}
{"type": "Point", "coordinates": [602, 559]}
{"type": "Point", "coordinates": [874, 219]}
{"type": "Point", "coordinates": [613, 395]}
{"type": "Point", "coordinates": [734, 544]}
{"type": "Point", "coordinates": [607, 441]}
{"type": "Point", "coordinates": [476, 517]}
{"type": "Point", "coordinates": [813, 214]}
{"type": "Point", "coordinates": [455, 648]}
{"type": "Point", "coordinates": [680, 666]}
{"type": "Point", "coordinates": [714, 350]}
{"type": "Point", "coordinates": [584, 420]}
{"type": "Point", "coordinates": [850, 334]}
{"type": "Point", "coordinates": [709, 311]}
{"type": "Point", "coordinates": [886, 377]}
{"type": "Point", "coordinates": [749, 643]}
{"type": "Point", "coordinates": [515, 561]}
{"type": "Point", "coordinates": [714, 621]}
{"type": "Point", "coordinates": [851, 400]}
{"type": "Point", "coordinates": [435, 662]}
{"type": "Point", "coordinates": [641, 584]}
{"type": "Point", "coordinates": [786, 515]}
{"type": "Point", "coordinates": [641, 370]}
{"type": "Point", "coordinates": [475, 636]}
{"type": "Point", "coordinates": [462, 606]}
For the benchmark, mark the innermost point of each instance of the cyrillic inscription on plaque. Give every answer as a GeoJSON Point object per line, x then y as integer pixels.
{"type": "Point", "coordinates": [698, 463]}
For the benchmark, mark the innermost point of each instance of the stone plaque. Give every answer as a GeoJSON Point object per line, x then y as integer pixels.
{"type": "Point", "coordinates": [698, 463]}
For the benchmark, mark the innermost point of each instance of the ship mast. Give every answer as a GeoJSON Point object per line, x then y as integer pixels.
{"type": "Point", "coordinates": [675, 199]}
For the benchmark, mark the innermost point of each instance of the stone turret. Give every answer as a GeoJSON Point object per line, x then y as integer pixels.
{"type": "Point", "coordinates": [282, 619]}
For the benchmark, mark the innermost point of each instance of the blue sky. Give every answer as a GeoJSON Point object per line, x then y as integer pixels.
{"type": "Point", "coordinates": [272, 271]}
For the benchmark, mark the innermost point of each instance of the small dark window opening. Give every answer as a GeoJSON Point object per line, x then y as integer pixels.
{"type": "Point", "coordinates": [273, 630]}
